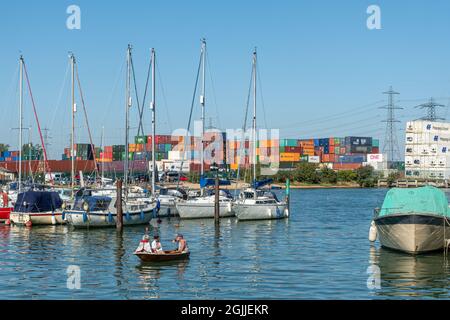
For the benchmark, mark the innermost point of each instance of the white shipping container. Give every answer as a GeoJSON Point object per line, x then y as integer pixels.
{"type": "Point", "coordinates": [314, 159]}
{"type": "Point", "coordinates": [375, 157]}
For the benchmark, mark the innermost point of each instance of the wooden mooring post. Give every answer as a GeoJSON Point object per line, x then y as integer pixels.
{"type": "Point", "coordinates": [119, 217]}
{"type": "Point", "coordinates": [216, 201]}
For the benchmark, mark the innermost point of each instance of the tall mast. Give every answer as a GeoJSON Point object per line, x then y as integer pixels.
{"type": "Point", "coordinates": [103, 156]}
{"type": "Point", "coordinates": [153, 107]}
{"type": "Point", "coordinates": [20, 120]}
{"type": "Point", "coordinates": [127, 113]}
{"type": "Point", "coordinates": [72, 135]}
{"type": "Point", "coordinates": [254, 116]}
{"type": "Point", "coordinates": [202, 102]}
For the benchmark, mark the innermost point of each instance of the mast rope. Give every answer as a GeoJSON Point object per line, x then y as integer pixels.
{"type": "Point", "coordinates": [47, 167]}
{"type": "Point", "coordinates": [169, 122]}
{"type": "Point", "coordinates": [86, 119]}
{"type": "Point", "coordinates": [140, 110]}
{"type": "Point", "coordinates": [190, 118]}
{"type": "Point", "coordinates": [244, 127]}
{"type": "Point", "coordinates": [141, 115]}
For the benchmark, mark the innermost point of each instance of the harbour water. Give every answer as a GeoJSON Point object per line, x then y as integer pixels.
{"type": "Point", "coordinates": [321, 252]}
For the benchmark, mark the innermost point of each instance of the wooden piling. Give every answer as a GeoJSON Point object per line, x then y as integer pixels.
{"type": "Point", "coordinates": [119, 219]}
{"type": "Point", "coordinates": [216, 201]}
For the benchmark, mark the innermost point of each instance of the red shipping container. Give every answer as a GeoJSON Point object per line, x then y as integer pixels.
{"type": "Point", "coordinates": [293, 149]}
{"type": "Point", "coordinates": [375, 149]}
{"type": "Point", "coordinates": [331, 149]}
{"type": "Point", "coordinates": [331, 143]}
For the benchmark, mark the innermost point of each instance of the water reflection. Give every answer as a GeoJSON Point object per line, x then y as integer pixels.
{"type": "Point", "coordinates": [405, 275]}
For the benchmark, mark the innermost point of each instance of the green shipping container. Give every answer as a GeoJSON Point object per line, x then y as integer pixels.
{"type": "Point", "coordinates": [288, 143]}
{"type": "Point", "coordinates": [376, 143]}
{"type": "Point", "coordinates": [140, 139]}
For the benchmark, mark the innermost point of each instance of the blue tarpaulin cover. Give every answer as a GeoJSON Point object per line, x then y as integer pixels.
{"type": "Point", "coordinates": [262, 183]}
{"type": "Point", "coordinates": [205, 182]}
{"type": "Point", "coordinates": [37, 201]}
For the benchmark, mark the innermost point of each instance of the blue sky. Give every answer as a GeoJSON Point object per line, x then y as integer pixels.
{"type": "Point", "coordinates": [322, 71]}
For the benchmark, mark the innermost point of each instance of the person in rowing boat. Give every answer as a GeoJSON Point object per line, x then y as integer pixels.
{"type": "Point", "coordinates": [144, 245]}
{"type": "Point", "coordinates": [156, 245]}
{"type": "Point", "coordinates": [182, 243]}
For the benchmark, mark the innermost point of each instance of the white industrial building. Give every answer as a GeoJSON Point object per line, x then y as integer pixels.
{"type": "Point", "coordinates": [427, 149]}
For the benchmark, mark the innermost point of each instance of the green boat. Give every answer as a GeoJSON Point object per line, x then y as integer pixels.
{"type": "Point", "coordinates": [414, 220]}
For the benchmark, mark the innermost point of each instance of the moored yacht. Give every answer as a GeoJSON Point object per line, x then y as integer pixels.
{"type": "Point", "coordinates": [100, 211]}
{"type": "Point", "coordinates": [37, 207]}
{"type": "Point", "coordinates": [259, 204]}
{"type": "Point", "coordinates": [204, 206]}
{"type": "Point", "coordinates": [168, 198]}
{"type": "Point", "coordinates": [413, 220]}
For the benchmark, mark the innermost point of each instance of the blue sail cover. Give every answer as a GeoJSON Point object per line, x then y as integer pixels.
{"type": "Point", "coordinates": [262, 183]}
{"type": "Point", "coordinates": [206, 182]}
{"type": "Point", "coordinates": [37, 201]}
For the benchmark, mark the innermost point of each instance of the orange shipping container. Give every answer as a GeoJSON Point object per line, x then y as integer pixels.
{"type": "Point", "coordinates": [288, 157]}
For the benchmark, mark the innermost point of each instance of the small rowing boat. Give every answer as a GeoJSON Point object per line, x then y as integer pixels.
{"type": "Point", "coordinates": [166, 256]}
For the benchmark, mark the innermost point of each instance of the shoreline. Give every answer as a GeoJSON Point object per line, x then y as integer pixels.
{"type": "Point", "coordinates": [241, 185]}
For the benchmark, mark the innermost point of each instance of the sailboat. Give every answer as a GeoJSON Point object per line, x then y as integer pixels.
{"type": "Point", "coordinates": [203, 206]}
{"type": "Point", "coordinates": [33, 207]}
{"type": "Point", "coordinates": [255, 203]}
{"type": "Point", "coordinates": [92, 209]}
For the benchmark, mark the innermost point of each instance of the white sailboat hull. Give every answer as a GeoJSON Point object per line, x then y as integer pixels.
{"type": "Point", "coordinates": [203, 210]}
{"type": "Point", "coordinates": [41, 218]}
{"type": "Point", "coordinates": [80, 219]}
{"type": "Point", "coordinates": [168, 208]}
{"type": "Point", "coordinates": [261, 211]}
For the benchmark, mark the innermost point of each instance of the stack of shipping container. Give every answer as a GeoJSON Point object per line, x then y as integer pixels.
{"type": "Point", "coordinates": [427, 150]}
{"type": "Point", "coordinates": [338, 153]}
{"type": "Point", "coordinates": [83, 151]}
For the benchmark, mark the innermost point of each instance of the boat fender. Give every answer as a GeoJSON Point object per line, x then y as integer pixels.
{"type": "Point", "coordinates": [110, 217]}
{"type": "Point", "coordinates": [142, 215]}
{"type": "Point", "coordinates": [286, 212]}
{"type": "Point", "coordinates": [127, 216]}
{"type": "Point", "coordinates": [53, 218]}
{"type": "Point", "coordinates": [8, 222]}
{"type": "Point", "coordinates": [373, 232]}
{"type": "Point", "coordinates": [29, 224]}
{"type": "Point", "coordinates": [85, 217]}
{"type": "Point", "coordinates": [63, 215]}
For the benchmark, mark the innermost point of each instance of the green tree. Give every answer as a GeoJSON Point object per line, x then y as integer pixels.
{"type": "Point", "coordinates": [346, 175]}
{"type": "Point", "coordinates": [4, 147]}
{"type": "Point", "coordinates": [35, 151]}
{"type": "Point", "coordinates": [392, 177]}
{"type": "Point", "coordinates": [306, 172]}
{"type": "Point", "coordinates": [328, 175]}
{"type": "Point", "coordinates": [366, 177]}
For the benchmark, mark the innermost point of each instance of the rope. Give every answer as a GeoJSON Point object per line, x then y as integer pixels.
{"type": "Point", "coordinates": [164, 96]}
{"type": "Point", "coordinates": [244, 127]}
{"type": "Point", "coordinates": [190, 117]}
{"type": "Point", "coordinates": [47, 167]}
{"type": "Point", "coordinates": [86, 119]}
{"type": "Point", "coordinates": [141, 115]}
